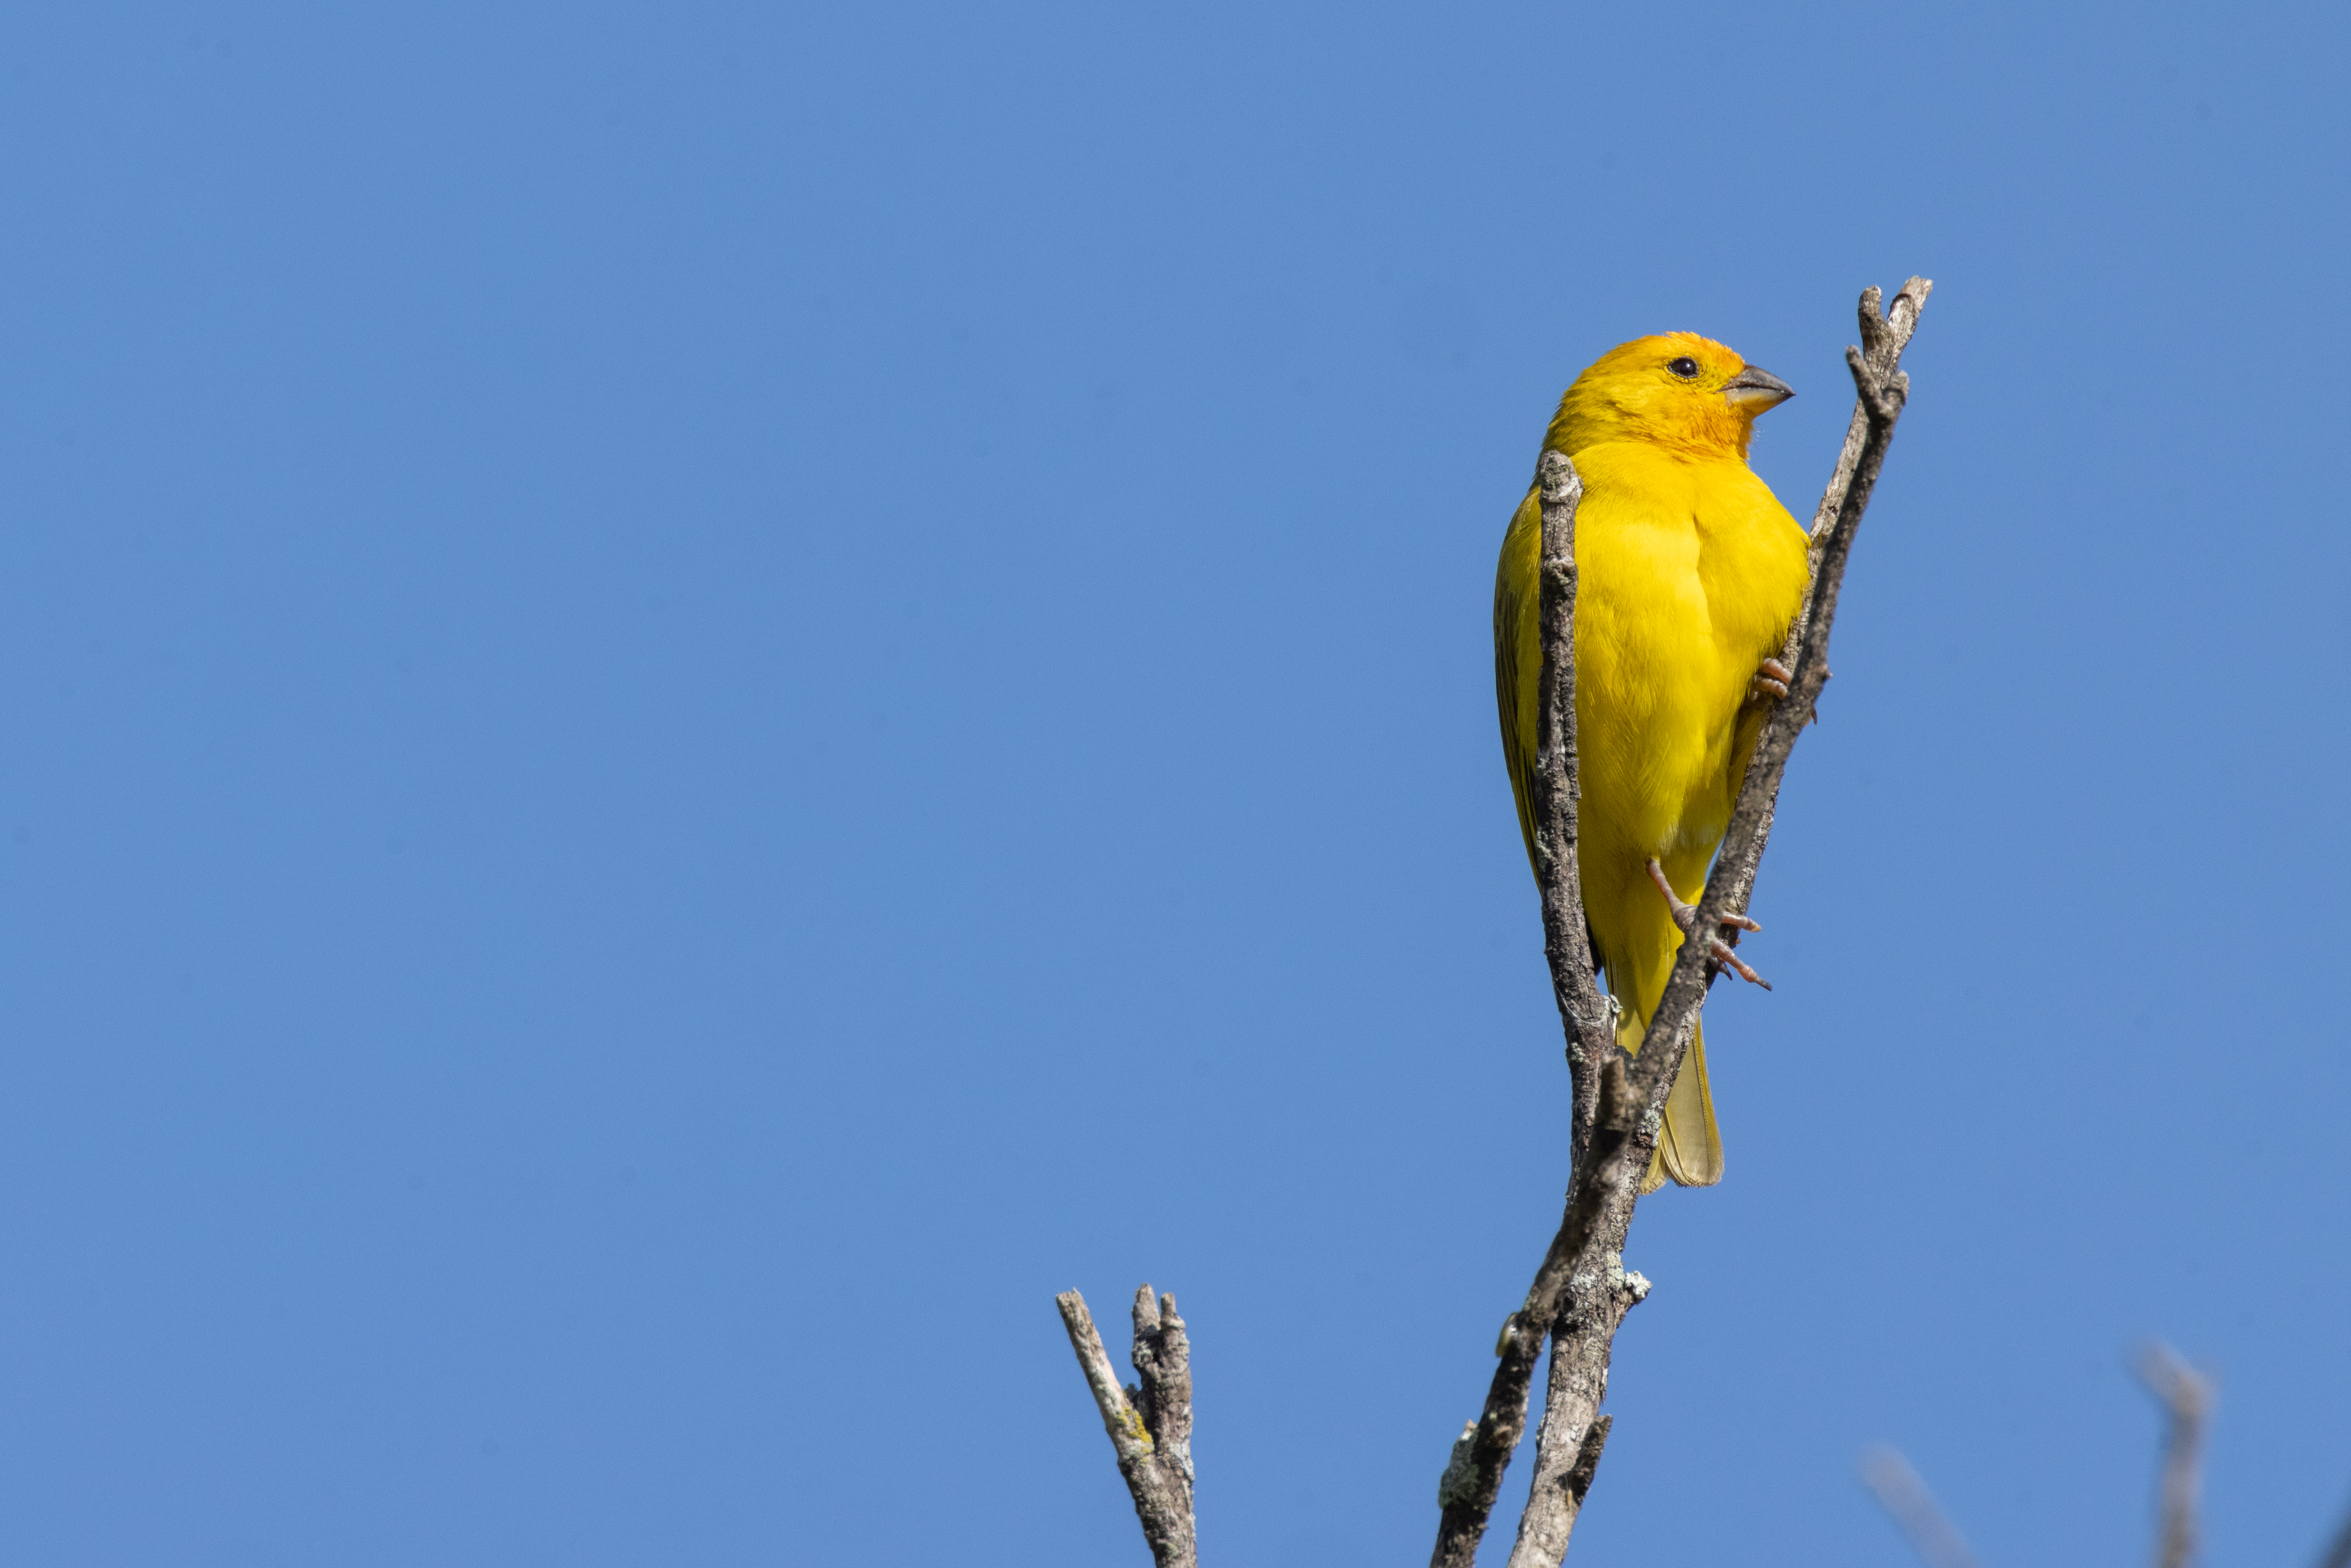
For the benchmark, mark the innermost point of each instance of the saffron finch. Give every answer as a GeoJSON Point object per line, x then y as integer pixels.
{"type": "Point", "coordinates": [1689, 573]}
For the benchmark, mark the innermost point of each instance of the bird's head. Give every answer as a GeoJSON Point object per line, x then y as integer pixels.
{"type": "Point", "coordinates": [1677, 389]}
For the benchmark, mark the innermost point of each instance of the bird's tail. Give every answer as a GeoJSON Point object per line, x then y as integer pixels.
{"type": "Point", "coordinates": [1689, 1145]}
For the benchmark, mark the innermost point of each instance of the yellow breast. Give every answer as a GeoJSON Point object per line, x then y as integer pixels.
{"type": "Point", "coordinates": [1689, 573]}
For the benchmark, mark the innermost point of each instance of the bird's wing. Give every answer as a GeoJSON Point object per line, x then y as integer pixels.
{"type": "Point", "coordinates": [1516, 603]}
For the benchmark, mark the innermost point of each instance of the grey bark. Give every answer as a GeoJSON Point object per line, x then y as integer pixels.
{"type": "Point", "coordinates": [1473, 1475]}
{"type": "Point", "coordinates": [1882, 390]}
{"type": "Point", "coordinates": [1883, 336]}
{"type": "Point", "coordinates": [1150, 1424]}
{"type": "Point", "coordinates": [1586, 1016]}
{"type": "Point", "coordinates": [1600, 1292]}
{"type": "Point", "coordinates": [1551, 1508]}
{"type": "Point", "coordinates": [1582, 1278]}
{"type": "Point", "coordinates": [1563, 1291]}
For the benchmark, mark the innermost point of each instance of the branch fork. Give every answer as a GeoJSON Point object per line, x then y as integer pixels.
{"type": "Point", "coordinates": [1149, 1422]}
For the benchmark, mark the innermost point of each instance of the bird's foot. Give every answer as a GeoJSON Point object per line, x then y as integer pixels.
{"type": "Point", "coordinates": [1772, 678]}
{"type": "Point", "coordinates": [1685, 916]}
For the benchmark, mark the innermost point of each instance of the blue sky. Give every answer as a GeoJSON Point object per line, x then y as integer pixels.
{"type": "Point", "coordinates": [696, 698]}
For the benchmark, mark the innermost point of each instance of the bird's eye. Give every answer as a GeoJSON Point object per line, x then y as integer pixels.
{"type": "Point", "coordinates": [1685, 367]}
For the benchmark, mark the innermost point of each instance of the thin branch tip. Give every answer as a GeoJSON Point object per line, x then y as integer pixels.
{"type": "Point", "coordinates": [2186, 1397]}
{"type": "Point", "coordinates": [2171, 1376]}
{"type": "Point", "coordinates": [1883, 397]}
{"type": "Point", "coordinates": [1556, 478]}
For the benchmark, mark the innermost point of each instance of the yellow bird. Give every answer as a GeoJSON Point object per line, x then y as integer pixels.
{"type": "Point", "coordinates": [1688, 573]}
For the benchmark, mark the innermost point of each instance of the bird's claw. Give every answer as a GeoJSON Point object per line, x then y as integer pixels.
{"type": "Point", "coordinates": [1722, 953]}
{"type": "Point", "coordinates": [1685, 916]}
{"type": "Point", "coordinates": [1772, 678]}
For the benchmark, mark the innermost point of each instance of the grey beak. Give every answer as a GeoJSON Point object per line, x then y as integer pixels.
{"type": "Point", "coordinates": [1756, 389]}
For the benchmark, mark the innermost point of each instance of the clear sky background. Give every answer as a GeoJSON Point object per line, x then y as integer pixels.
{"type": "Point", "coordinates": [696, 698]}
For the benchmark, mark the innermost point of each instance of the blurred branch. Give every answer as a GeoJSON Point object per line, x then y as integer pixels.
{"type": "Point", "coordinates": [1912, 1507]}
{"type": "Point", "coordinates": [2187, 1399]}
{"type": "Point", "coordinates": [1150, 1424]}
{"type": "Point", "coordinates": [2338, 1551]}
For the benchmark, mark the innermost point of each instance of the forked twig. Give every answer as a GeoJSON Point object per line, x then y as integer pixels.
{"type": "Point", "coordinates": [1150, 1424]}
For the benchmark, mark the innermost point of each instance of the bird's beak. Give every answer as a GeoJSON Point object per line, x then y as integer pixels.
{"type": "Point", "coordinates": [1757, 389]}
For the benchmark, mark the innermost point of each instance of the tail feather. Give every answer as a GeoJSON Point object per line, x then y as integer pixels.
{"type": "Point", "coordinates": [1690, 1144]}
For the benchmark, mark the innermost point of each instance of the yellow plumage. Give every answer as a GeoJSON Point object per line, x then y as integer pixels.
{"type": "Point", "coordinates": [1689, 572]}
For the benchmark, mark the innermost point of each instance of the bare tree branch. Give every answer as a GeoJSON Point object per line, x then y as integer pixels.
{"type": "Point", "coordinates": [1586, 1016]}
{"type": "Point", "coordinates": [1557, 1499]}
{"type": "Point", "coordinates": [2187, 1398]}
{"type": "Point", "coordinates": [1562, 1293]}
{"type": "Point", "coordinates": [1881, 387]}
{"type": "Point", "coordinates": [1584, 1330]}
{"type": "Point", "coordinates": [1150, 1425]}
{"type": "Point", "coordinates": [1473, 1475]}
{"type": "Point", "coordinates": [1913, 1509]}
{"type": "Point", "coordinates": [1883, 336]}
